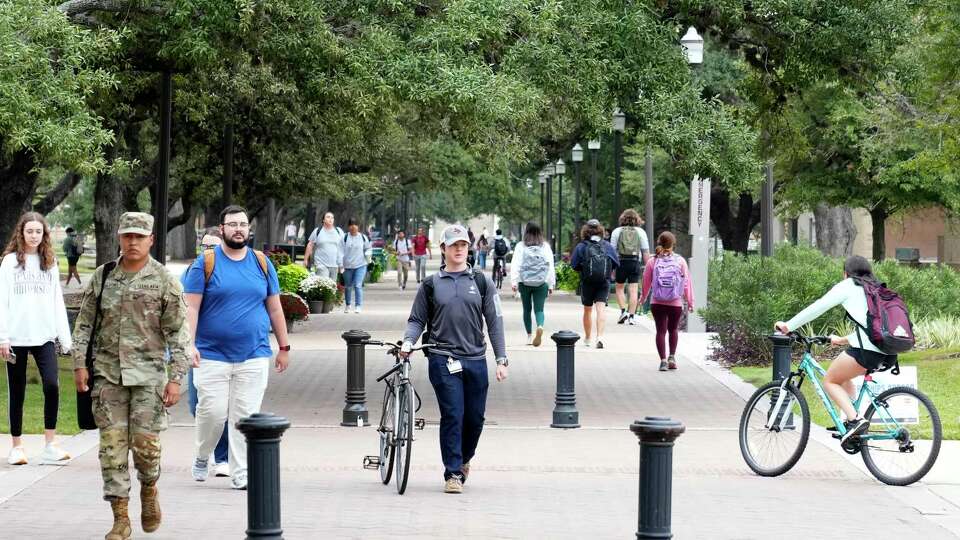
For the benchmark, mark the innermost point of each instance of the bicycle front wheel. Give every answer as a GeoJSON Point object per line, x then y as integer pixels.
{"type": "Point", "coordinates": [387, 430]}
{"type": "Point", "coordinates": [904, 437]}
{"type": "Point", "coordinates": [404, 437]}
{"type": "Point", "coordinates": [774, 429]}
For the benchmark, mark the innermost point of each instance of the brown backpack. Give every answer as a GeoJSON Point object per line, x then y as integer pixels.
{"type": "Point", "coordinates": [210, 259]}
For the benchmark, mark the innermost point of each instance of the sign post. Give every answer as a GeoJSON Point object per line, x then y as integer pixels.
{"type": "Point", "coordinates": [700, 256]}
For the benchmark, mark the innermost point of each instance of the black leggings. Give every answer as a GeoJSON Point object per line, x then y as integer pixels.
{"type": "Point", "coordinates": [666, 318]}
{"type": "Point", "coordinates": [46, 358]}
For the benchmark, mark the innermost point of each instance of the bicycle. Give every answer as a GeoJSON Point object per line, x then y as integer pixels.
{"type": "Point", "coordinates": [397, 418]}
{"type": "Point", "coordinates": [904, 424]}
{"type": "Point", "coordinates": [498, 271]}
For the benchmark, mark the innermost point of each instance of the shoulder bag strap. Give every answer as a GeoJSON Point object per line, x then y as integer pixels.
{"type": "Point", "coordinates": [107, 268]}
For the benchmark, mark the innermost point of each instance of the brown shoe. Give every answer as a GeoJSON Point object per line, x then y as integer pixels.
{"type": "Point", "coordinates": [121, 520]}
{"type": "Point", "coordinates": [149, 507]}
{"type": "Point", "coordinates": [453, 485]}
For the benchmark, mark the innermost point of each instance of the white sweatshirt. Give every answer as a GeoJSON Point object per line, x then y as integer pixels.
{"type": "Point", "coordinates": [31, 304]}
{"type": "Point", "coordinates": [854, 301]}
{"type": "Point", "coordinates": [518, 252]}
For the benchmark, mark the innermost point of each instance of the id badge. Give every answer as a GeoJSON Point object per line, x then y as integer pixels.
{"type": "Point", "coordinates": [454, 366]}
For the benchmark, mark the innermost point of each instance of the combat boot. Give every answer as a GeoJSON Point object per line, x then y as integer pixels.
{"type": "Point", "coordinates": [149, 507]}
{"type": "Point", "coordinates": [121, 521]}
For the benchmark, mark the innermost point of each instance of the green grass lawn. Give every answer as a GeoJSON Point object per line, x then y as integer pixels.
{"type": "Point", "coordinates": [939, 378]}
{"type": "Point", "coordinates": [33, 406]}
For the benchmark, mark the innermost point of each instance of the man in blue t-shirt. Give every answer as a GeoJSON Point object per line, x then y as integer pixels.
{"type": "Point", "coordinates": [230, 314]}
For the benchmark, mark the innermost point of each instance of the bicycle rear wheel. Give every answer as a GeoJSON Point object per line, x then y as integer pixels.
{"type": "Point", "coordinates": [387, 429]}
{"type": "Point", "coordinates": [774, 431]}
{"type": "Point", "coordinates": [911, 453]}
{"type": "Point", "coordinates": [404, 437]}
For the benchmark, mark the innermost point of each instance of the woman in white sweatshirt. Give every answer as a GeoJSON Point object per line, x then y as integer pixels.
{"type": "Point", "coordinates": [532, 275]}
{"type": "Point", "coordinates": [32, 316]}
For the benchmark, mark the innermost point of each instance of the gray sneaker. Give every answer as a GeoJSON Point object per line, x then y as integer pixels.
{"type": "Point", "coordinates": [239, 481]}
{"type": "Point", "coordinates": [663, 365]}
{"type": "Point", "coordinates": [200, 469]}
{"type": "Point", "coordinates": [453, 485]}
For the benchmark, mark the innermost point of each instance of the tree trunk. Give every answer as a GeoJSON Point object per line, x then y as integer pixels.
{"type": "Point", "coordinates": [734, 229]}
{"type": "Point", "coordinates": [835, 230]}
{"type": "Point", "coordinates": [19, 187]}
{"type": "Point", "coordinates": [108, 205]}
{"type": "Point", "coordinates": [878, 217]}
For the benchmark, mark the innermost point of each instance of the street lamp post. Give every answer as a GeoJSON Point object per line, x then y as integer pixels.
{"type": "Point", "coordinates": [550, 171]}
{"type": "Point", "coordinates": [648, 194]}
{"type": "Point", "coordinates": [577, 156]}
{"type": "Point", "coordinates": [594, 146]}
{"type": "Point", "coordinates": [542, 177]}
{"type": "Point", "coordinates": [619, 125]}
{"type": "Point", "coordinates": [561, 169]}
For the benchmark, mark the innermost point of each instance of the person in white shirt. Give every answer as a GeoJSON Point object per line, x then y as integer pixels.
{"type": "Point", "coordinates": [403, 248]}
{"type": "Point", "coordinates": [32, 316]}
{"type": "Point", "coordinates": [291, 233]}
{"type": "Point", "coordinates": [324, 249]}
{"type": "Point", "coordinates": [532, 274]}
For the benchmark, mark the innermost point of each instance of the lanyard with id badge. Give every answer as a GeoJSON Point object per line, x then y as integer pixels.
{"type": "Point", "coordinates": [453, 366]}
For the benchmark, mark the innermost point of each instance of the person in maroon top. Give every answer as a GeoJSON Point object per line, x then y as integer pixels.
{"type": "Point", "coordinates": [421, 251]}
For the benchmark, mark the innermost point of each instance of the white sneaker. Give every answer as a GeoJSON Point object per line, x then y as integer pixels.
{"type": "Point", "coordinates": [200, 469]}
{"type": "Point", "coordinates": [346, 308]}
{"type": "Point", "coordinates": [529, 339]}
{"type": "Point", "coordinates": [586, 342]}
{"type": "Point", "coordinates": [17, 456]}
{"type": "Point", "coordinates": [221, 470]}
{"type": "Point", "coordinates": [357, 310]}
{"type": "Point", "coordinates": [239, 481]}
{"type": "Point", "coordinates": [632, 321]}
{"type": "Point", "coordinates": [54, 455]}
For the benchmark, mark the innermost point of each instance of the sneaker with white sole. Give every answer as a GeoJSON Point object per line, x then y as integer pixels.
{"type": "Point", "coordinates": [632, 321]}
{"type": "Point", "coordinates": [858, 427]}
{"type": "Point", "coordinates": [538, 336]}
{"type": "Point", "coordinates": [221, 470]}
{"type": "Point", "coordinates": [346, 308]}
{"type": "Point", "coordinates": [529, 339]}
{"type": "Point", "coordinates": [239, 481]}
{"type": "Point", "coordinates": [17, 456]}
{"type": "Point", "coordinates": [453, 485]}
{"type": "Point", "coordinates": [54, 455]}
{"type": "Point", "coordinates": [599, 344]}
{"type": "Point", "coordinates": [587, 342]}
{"type": "Point", "coordinates": [200, 469]}
{"type": "Point", "coordinates": [624, 316]}
{"type": "Point", "coordinates": [357, 310]}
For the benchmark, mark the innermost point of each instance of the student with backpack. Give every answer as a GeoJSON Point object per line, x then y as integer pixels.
{"type": "Point", "coordinates": [72, 249]}
{"type": "Point", "coordinates": [633, 248]}
{"type": "Point", "coordinates": [357, 251]}
{"type": "Point", "coordinates": [403, 249]}
{"type": "Point", "coordinates": [501, 246]}
{"type": "Point", "coordinates": [882, 328]}
{"type": "Point", "coordinates": [533, 275]}
{"type": "Point", "coordinates": [595, 259]}
{"type": "Point", "coordinates": [324, 249]}
{"type": "Point", "coordinates": [667, 282]}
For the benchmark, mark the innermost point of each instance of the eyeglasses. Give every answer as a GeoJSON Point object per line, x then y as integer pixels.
{"type": "Point", "coordinates": [237, 225]}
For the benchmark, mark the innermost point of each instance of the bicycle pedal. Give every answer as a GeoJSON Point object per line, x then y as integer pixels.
{"type": "Point", "coordinates": [420, 423]}
{"type": "Point", "coordinates": [837, 436]}
{"type": "Point", "coordinates": [371, 462]}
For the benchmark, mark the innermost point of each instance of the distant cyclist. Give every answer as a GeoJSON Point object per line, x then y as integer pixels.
{"type": "Point", "coordinates": [501, 246]}
{"type": "Point", "coordinates": [861, 355]}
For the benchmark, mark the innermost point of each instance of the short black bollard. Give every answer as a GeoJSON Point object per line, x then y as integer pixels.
{"type": "Point", "coordinates": [656, 434]}
{"type": "Point", "coordinates": [565, 413]}
{"type": "Point", "coordinates": [355, 412]}
{"type": "Point", "coordinates": [263, 432]}
{"type": "Point", "coordinates": [782, 351]}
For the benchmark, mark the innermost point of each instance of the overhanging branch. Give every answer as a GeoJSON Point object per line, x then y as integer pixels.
{"type": "Point", "coordinates": [79, 9]}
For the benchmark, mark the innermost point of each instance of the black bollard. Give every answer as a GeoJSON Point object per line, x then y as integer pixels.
{"type": "Point", "coordinates": [263, 432]}
{"type": "Point", "coordinates": [656, 434]}
{"type": "Point", "coordinates": [781, 355]}
{"type": "Point", "coordinates": [565, 413]}
{"type": "Point", "coordinates": [355, 412]}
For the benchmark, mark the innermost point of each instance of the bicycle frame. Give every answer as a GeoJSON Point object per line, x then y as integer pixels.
{"type": "Point", "coordinates": [809, 368]}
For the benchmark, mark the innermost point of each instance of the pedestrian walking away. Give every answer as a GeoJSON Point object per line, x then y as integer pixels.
{"type": "Point", "coordinates": [357, 253]}
{"type": "Point", "coordinates": [483, 248]}
{"type": "Point", "coordinates": [324, 251]}
{"type": "Point", "coordinates": [421, 252]}
{"type": "Point", "coordinates": [532, 274]}
{"type": "Point", "coordinates": [666, 281]}
{"type": "Point", "coordinates": [633, 249]}
{"type": "Point", "coordinates": [234, 300]}
{"type": "Point", "coordinates": [403, 249]}
{"type": "Point", "coordinates": [291, 233]}
{"type": "Point", "coordinates": [32, 319]}
{"type": "Point", "coordinates": [72, 249]}
{"type": "Point", "coordinates": [595, 259]}
{"type": "Point", "coordinates": [501, 247]}
{"type": "Point", "coordinates": [450, 309]}
{"type": "Point", "coordinates": [132, 313]}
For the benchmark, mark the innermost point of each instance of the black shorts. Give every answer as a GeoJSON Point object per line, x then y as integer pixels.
{"type": "Point", "coordinates": [591, 293]}
{"type": "Point", "coordinates": [72, 261]}
{"type": "Point", "coordinates": [629, 270]}
{"type": "Point", "coordinates": [872, 360]}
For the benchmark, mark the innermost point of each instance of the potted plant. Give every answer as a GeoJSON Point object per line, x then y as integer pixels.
{"type": "Point", "coordinates": [294, 309]}
{"type": "Point", "coordinates": [328, 293]}
{"type": "Point", "coordinates": [312, 290]}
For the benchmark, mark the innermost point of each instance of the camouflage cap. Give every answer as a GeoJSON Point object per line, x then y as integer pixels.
{"type": "Point", "coordinates": [136, 223]}
{"type": "Point", "coordinates": [453, 234]}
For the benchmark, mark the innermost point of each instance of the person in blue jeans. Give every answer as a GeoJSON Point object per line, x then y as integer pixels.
{"type": "Point", "coordinates": [453, 305]}
{"type": "Point", "coordinates": [357, 250]}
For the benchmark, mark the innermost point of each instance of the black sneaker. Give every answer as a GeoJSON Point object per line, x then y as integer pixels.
{"type": "Point", "coordinates": [856, 429]}
{"type": "Point", "coordinates": [846, 423]}
{"type": "Point", "coordinates": [623, 316]}
{"type": "Point", "coordinates": [599, 344]}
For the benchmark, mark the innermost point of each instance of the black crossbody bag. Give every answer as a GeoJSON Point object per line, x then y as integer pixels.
{"type": "Point", "coordinates": [85, 419]}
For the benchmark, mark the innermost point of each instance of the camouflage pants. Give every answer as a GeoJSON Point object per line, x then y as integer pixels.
{"type": "Point", "coordinates": [130, 418]}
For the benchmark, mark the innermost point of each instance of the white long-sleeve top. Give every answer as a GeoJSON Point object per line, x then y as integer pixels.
{"type": "Point", "coordinates": [31, 304]}
{"type": "Point", "coordinates": [853, 299]}
{"type": "Point", "coordinates": [517, 262]}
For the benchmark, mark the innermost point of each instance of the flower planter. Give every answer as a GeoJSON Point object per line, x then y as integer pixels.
{"type": "Point", "coordinates": [328, 306]}
{"type": "Point", "coordinates": [318, 306]}
{"type": "Point", "coordinates": [290, 324]}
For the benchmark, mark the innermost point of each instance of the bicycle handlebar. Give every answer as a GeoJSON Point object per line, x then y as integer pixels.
{"type": "Point", "coordinates": [798, 337]}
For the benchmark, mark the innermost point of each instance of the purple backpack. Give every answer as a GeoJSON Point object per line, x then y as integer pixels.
{"type": "Point", "coordinates": [668, 279]}
{"type": "Point", "coordinates": [888, 321]}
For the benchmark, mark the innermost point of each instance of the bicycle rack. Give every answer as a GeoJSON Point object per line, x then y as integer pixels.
{"type": "Point", "coordinates": [371, 462]}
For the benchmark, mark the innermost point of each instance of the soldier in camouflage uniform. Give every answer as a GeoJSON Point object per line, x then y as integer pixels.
{"type": "Point", "coordinates": [143, 314]}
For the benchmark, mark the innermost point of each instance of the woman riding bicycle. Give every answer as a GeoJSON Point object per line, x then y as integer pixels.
{"type": "Point", "coordinates": [861, 355]}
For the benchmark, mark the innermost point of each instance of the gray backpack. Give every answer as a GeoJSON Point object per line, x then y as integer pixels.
{"type": "Point", "coordinates": [534, 268]}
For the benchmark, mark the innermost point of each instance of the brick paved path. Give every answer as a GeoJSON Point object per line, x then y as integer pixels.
{"type": "Point", "coordinates": [528, 481]}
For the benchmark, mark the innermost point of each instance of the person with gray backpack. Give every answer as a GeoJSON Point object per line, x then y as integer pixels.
{"type": "Point", "coordinates": [667, 281]}
{"type": "Point", "coordinates": [633, 247]}
{"type": "Point", "coordinates": [533, 275]}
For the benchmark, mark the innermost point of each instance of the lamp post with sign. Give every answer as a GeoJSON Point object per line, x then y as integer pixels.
{"type": "Point", "coordinates": [542, 178]}
{"type": "Point", "coordinates": [594, 147]}
{"type": "Point", "coordinates": [700, 229]}
{"type": "Point", "coordinates": [550, 170]}
{"type": "Point", "coordinates": [619, 125]}
{"type": "Point", "coordinates": [561, 168]}
{"type": "Point", "coordinates": [577, 157]}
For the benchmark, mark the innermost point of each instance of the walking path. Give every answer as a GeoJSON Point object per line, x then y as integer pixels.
{"type": "Point", "coordinates": [527, 480]}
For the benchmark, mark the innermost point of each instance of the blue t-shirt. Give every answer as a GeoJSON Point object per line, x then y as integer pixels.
{"type": "Point", "coordinates": [234, 324]}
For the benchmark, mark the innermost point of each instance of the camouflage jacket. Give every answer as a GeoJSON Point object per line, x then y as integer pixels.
{"type": "Point", "coordinates": [141, 317]}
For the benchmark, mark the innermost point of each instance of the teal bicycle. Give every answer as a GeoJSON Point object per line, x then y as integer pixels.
{"type": "Point", "coordinates": [900, 447]}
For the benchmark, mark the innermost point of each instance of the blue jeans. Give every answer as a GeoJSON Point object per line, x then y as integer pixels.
{"type": "Point", "coordinates": [462, 398]}
{"type": "Point", "coordinates": [220, 454]}
{"type": "Point", "coordinates": [482, 259]}
{"type": "Point", "coordinates": [353, 282]}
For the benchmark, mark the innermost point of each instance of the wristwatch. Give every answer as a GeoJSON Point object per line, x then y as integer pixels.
{"type": "Point", "coordinates": [503, 362]}
{"type": "Point", "coordinates": [285, 348]}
